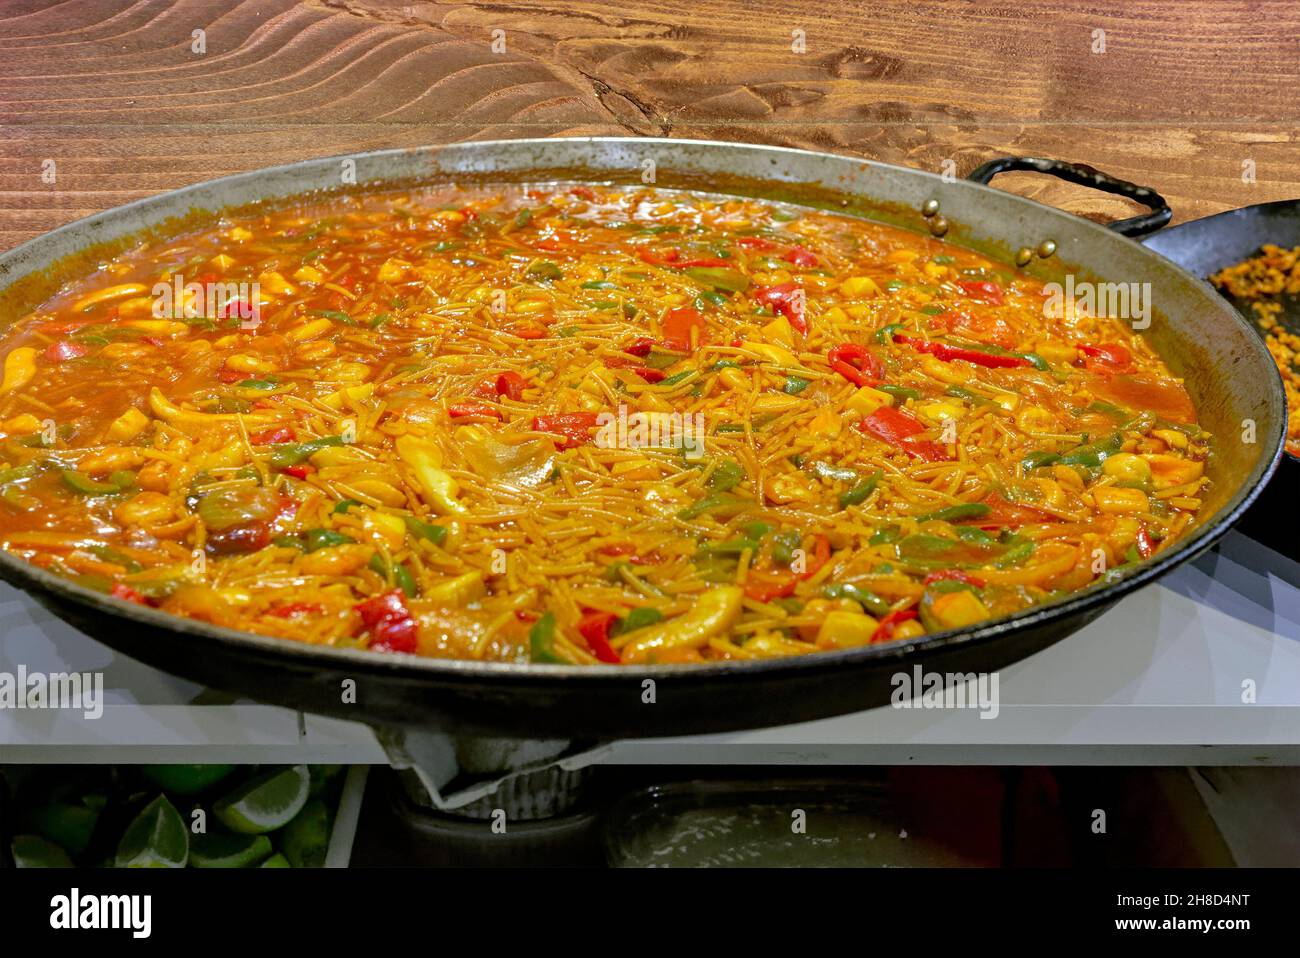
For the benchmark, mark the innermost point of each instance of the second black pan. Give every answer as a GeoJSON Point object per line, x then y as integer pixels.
{"type": "Point", "coordinates": [1205, 246]}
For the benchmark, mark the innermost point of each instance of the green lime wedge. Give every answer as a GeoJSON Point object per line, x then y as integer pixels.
{"type": "Point", "coordinates": [32, 851]}
{"type": "Point", "coordinates": [305, 840]}
{"type": "Point", "coordinates": [157, 838]}
{"type": "Point", "coordinates": [185, 779]}
{"type": "Point", "coordinates": [220, 850]}
{"type": "Point", "coordinates": [69, 826]}
{"type": "Point", "coordinates": [276, 861]}
{"type": "Point", "coordinates": [322, 776]}
{"type": "Point", "coordinates": [266, 802]}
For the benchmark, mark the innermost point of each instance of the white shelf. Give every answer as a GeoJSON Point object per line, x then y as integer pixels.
{"type": "Point", "coordinates": [1156, 681]}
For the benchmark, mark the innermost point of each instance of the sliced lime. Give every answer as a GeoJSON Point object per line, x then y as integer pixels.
{"type": "Point", "coordinates": [222, 850]}
{"type": "Point", "coordinates": [157, 838]}
{"type": "Point", "coordinates": [185, 779]}
{"type": "Point", "coordinates": [305, 840]}
{"type": "Point", "coordinates": [69, 826]}
{"type": "Point", "coordinates": [32, 851]}
{"type": "Point", "coordinates": [322, 776]}
{"type": "Point", "coordinates": [266, 802]}
{"type": "Point", "coordinates": [276, 861]}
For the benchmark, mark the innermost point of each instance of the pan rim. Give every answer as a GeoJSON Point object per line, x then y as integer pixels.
{"type": "Point", "coordinates": [419, 669]}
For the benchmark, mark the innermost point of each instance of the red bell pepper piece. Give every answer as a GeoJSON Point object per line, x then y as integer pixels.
{"type": "Point", "coordinates": [678, 323]}
{"type": "Point", "coordinates": [121, 590]}
{"type": "Point", "coordinates": [272, 437]}
{"type": "Point", "coordinates": [855, 363]}
{"type": "Point", "coordinates": [301, 471]}
{"type": "Point", "coordinates": [529, 332]}
{"type": "Point", "coordinates": [574, 427]}
{"type": "Point", "coordinates": [229, 376]}
{"type": "Point", "coordinates": [755, 242]}
{"type": "Point", "coordinates": [983, 290]}
{"type": "Point", "coordinates": [667, 256]}
{"type": "Point", "coordinates": [899, 429]}
{"type": "Point", "coordinates": [463, 410]}
{"type": "Point", "coordinates": [955, 575]}
{"type": "Point", "coordinates": [1111, 355]}
{"type": "Point", "coordinates": [885, 630]}
{"type": "Point", "coordinates": [391, 626]}
{"type": "Point", "coordinates": [63, 350]}
{"type": "Point", "coordinates": [948, 353]}
{"type": "Point", "coordinates": [594, 627]}
{"type": "Point", "coordinates": [650, 375]}
{"type": "Point", "coordinates": [800, 256]}
{"type": "Point", "coordinates": [1146, 546]}
{"type": "Point", "coordinates": [640, 347]}
{"type": "Point", "coordinates": [238, 307]}
{"type": "Point", "coordinates": [509, 384]}
{"type": "Point", "coordinates": [763, 589]}
{"type": "Point", "coordinates": [786, 299]}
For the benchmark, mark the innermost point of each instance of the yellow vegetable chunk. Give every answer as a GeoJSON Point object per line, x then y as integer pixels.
{"type": "Point", "coordinates": [109, 292]}
{"type": "Point", "coordinates": [425, 461]}
{"type": "Point", "coordinates": [867, 400]}
{"type": "Point", "coordinates": [1113, 500]}
{"type": "Point", "coordinates": [1169, 471]}
{"type": "Point", "coordinates": [713, 613]}
{"type": "Point", "coordinates": [856, 286]}
{"type": "Point", "coordinates": [20, 369]}
{"type": "Point", "coordinates": [128, 425]}
{"type": "Point", "coordinates": [457, 590]}
{"type": "Point", "coordinates": [956, 610]}
{"type": "Point", "coordinates": [845, 630]}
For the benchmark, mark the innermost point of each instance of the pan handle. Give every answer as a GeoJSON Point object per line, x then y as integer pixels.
{"type": "Point", "coordinates": [1085, 175]}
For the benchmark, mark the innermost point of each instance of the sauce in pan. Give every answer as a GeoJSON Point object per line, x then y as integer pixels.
{"type": "Point", "coordinates": [582, 424]}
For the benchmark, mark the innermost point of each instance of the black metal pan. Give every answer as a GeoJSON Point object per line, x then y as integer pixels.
{"type": "Point", "coordinates": [1205, 246]}
{"type": "Point", "coordinates": [1226, 368]}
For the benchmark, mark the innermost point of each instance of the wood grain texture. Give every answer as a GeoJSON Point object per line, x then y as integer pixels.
{"type": "Point", "coordinates": [111, 90]}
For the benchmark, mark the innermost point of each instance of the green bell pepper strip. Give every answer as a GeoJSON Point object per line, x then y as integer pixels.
{"type": "Point", "coordinates": [541, 640]}
{"type": "Point", "coordinates": [401, 575]}
{"type": "Point", "coordinates": [710, 504]}
{"type": "Point", "coordinates": [425, 530]}
{"type": "Point", "coordinates": [965, 510]}
{"type": "Point", "coordinates": [292, 453]}
{"type": "Point", "coordinates": [726, 476]}
{"type": "Point", "coordinates": [863, 597]}
{"type": "Point", "coordinates": [84, 484]}
{"type": "Point", "coordinates": [719, 277]}
{"type": "Point", "coordinates": [314, 539]}
{"type": "Point", "coordinates": [731, 546]}
{"type": "Point", "coordinates": [901, 393]}
{"type": "Point", "coordinates": [859, 493]}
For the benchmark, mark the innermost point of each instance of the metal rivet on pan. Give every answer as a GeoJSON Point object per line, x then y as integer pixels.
{"type": "Point", "coordinates": [1046, 248]}
{"type": "Point", "coordinates": [1024, 255]}
{"type": "Point", "coordinates": [938, 226]}
{"type": "Point", "coordinates": [930, 208]}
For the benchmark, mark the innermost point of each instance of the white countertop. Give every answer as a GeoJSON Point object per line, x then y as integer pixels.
{"type": "Point", "coordinates": [1157, 680]}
